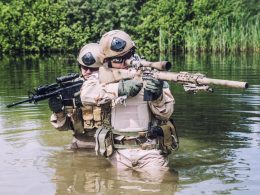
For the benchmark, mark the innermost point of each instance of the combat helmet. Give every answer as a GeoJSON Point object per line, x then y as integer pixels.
{"type": "Point", "coordinates": [116, 43]}
{"type": "Point", "coordinates": [90, 56]}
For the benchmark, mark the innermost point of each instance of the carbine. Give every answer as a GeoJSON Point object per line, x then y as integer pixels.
{"type": "Point", "coordinates": [66, 88]}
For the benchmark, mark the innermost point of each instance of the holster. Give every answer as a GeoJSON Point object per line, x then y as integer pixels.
{"type": "Point", "coordinates": [104, 142]}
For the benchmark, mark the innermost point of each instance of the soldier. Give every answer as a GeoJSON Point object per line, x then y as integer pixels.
{"type": "Point", "coordinates": [139, 127]}
{"type": "Point", "coordinates": [80, 120]}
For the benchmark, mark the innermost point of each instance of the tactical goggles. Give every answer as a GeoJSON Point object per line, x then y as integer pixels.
{"type": "Point", "coordinates": [88, 59]}
{"type": "Point", "coordinates": [121, 59]}
{"type": "Point", "coordinates": [118, 60]}
{"type": "Point", "coordinates": [117, 44]}
{"type": "Point", "coordinates": [89, 68]}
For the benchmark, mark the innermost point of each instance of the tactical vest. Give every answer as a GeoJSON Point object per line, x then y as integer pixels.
{"type": "Point", "coordinates": [132, 117]}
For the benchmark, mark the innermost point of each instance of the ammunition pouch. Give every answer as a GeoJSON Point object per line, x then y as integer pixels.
{"type": "Point", "coordinates": [95, 116]}
{"type": "Point", "coordinates": [104, 142]}
{"type": "Point", "coordinates": [88, 117]}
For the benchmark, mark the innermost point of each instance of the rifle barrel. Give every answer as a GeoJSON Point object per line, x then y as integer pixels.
{"type": "Point", "coordinates": [227, 83]}
{"type": "Point", "coordinates": [195, 78]}
{"type": "Point", "coordinates": [20, 102]}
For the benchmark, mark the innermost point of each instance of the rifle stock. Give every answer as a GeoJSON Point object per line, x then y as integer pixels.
{"type": "Point", "coordinates": [113, 75]}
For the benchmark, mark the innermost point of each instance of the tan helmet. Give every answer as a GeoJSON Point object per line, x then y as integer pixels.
{"type": "Point", "coordinates": [90, 56]}
{"type": "Point", "coordinates": [116, 43]}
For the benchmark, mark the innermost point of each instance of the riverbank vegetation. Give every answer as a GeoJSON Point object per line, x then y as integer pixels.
{"type": "Point", "coordinates": [159, 27]}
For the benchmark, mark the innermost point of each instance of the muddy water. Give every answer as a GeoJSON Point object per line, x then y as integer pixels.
{"type": "Point", "coordinates": [219, 134]}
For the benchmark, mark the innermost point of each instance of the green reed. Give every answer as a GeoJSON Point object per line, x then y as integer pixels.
{"type": "Point", "coordinates": [162, 44]}
{"type": "Point", "coordinates": [166, 45]}
{"type": "Point", "coordinates": [226, 36]}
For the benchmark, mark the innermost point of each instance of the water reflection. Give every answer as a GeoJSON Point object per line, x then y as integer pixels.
{"type": "Point", "coordinates": [23, 161]}
{"type": "Point", "coordinates": [83, 172]}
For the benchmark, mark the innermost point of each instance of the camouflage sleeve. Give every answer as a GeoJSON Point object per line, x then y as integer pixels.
{"type": "Point", "coordinates": [163, 107]}
{"type": "Point", "coordinates": [60, 121]}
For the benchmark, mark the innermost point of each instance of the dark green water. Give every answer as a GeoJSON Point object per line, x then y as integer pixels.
{"type": "Point", "coordinates": [219, 134]}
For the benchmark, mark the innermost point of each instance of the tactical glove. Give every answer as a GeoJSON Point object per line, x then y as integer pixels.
{"type": "Point", "coordinates": [154, 86]}
{"type": "Point", "coordinates": [129, 87]}
{"type": "Point", "coordinates": [155, 131]}
{"type": "Point", "coordinates": [55, 104]}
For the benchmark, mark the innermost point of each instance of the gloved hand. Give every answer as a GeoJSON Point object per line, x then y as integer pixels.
{"type": "Point", "coordinates": [55, 104]}
{"type": "Point", "coordinates": [154, 86]}
{"type": "Point", "coordinates": [129, 87]}
{"type": "Point", "coordinates": [155, 132]}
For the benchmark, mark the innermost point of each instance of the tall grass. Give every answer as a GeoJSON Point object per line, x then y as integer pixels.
{"type": "Point", "coordinates": [166, 44]}
{"type": "Point", "coordinates": [162, 44]}
{"type": "Point", "coordinates": [226, 36]}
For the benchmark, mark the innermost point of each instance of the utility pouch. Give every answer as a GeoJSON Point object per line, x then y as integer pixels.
{"type": "Point", "coordinates": [175, 137]}
{"type": "Point", "coordinates": [104, 142]}
{"type": "Point", "coordinates": [169, 141]}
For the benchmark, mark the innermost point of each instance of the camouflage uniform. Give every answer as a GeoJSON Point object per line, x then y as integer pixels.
{"type": "Point", "coordinates": [130, 120]}
{"type": "Point", "coordinates": [84, 120]}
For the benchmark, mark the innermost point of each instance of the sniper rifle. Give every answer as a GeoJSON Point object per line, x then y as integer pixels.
{"type": "Point", "coordinates": [140, 68]}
